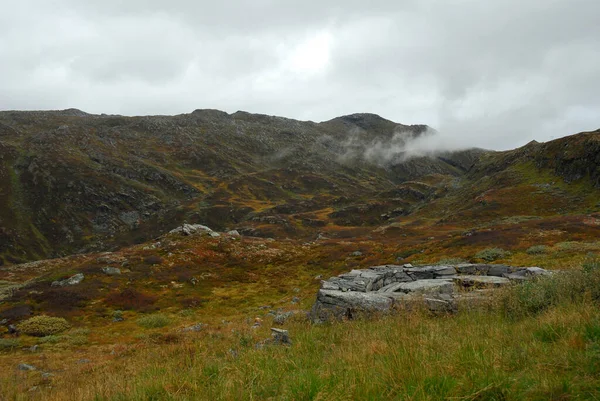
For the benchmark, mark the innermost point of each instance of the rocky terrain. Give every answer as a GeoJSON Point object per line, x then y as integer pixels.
{"type": "Point", "coordinates": [75, 182]}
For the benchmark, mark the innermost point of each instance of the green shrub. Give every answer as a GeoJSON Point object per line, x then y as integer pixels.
{"type": "Point", "coordinates": [536, 296]}
{"type": "Point", "coordinates": [80, 331]}
{"type": "Point", "coordinates": [407, 253]}
{"type": "Point", "coordinates": [591, 263]}
{"type": "Point", "coordinates": [8, 344]}
{"type": "Point", "coordinates": [51, 339]}
{"type": "Point", "coordinates": [40, 326]}
{"type": "Point", "coordinates": [549, 333]}
{"type": "Point", "coordinates": [77, 340]}
{"type": "Point", "coordinates": [537, 250]}
{"type": "Point", "coordinates": [451, 261]}
{"type": "Point", "coordinates": [491, 254]}
{"type": "Point", "coordinates": [153, 321]}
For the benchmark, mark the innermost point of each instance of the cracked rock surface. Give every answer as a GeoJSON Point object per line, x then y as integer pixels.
{"type": "Point", "coordinates": [382, 288]}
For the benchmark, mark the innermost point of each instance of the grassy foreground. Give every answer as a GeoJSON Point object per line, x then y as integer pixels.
{"type": "Point", "coordinates": [538, 341]}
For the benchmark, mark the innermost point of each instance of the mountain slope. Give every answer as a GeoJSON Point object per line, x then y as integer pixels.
{"type": "Point", "coordinates": [74, 182]}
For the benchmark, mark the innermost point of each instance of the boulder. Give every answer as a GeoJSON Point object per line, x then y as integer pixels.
{"type": "Point", "coordinates": [339, 304]}
{"type": "Point", "coordinates": [280, 336]}
{"type": "Point", "coordinates": [73, 280]}
{"type": "Point", "coordinates": [111, 271]}
{"type": "Point", "coordinates": [191, 229]}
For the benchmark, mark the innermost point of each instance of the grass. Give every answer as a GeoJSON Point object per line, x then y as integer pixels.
{"type": "Point", "coordinates": [154, 321]}
{"type": "Point", "coordinates": [539, 341]}
{"type": "Point", "coordinates": [491, 254]}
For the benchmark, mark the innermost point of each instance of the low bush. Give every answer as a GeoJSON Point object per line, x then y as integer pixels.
{"type": "Point", "coordinates": [16, 312]}
{"type": "Point", "coordinates": [536, 296]}
{"type": "Point", "coordinates": [153, 321]}
{"type": "Point", "coordinates": [153, 260]}
{"type": "Point", "coordinates": [537, 250]}
{"type": "Point", "coordinates": [591, 263]}
{"type": "Point", "coordinates": [40, 326]}
{"type": "Point", "coordinates": [51, 339]}
{"type": "Point", "coordinates": [451, 261]}
{"type": "Point", "coordinates": [131, 299]}
{"type": "Point", "coordinates": [8, 344]}
{"type": "Point", "coordinates": [491, 254]}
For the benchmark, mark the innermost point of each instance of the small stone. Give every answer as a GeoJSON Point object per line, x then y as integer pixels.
{"type": "Point", "coordinates": [195, 328]}
{"type": "Point", "coordinates": [84, 361]}
{"type": "Point", "coordinates": [25, 367]}
{"type": "Point", "coordinates": [280, 336]}
{"type": "Point", "coordinates": [34, 348]}
{"type": "Point", "coordinates": [111, 271]}
{"type": "Point", "coordinates": [356, 253]}
{"type": "Point", "coordinates": [46, 375]}
{"type": "Point", "coordinates": [295, 300]}
{"type": "Point", "coordinates": [257, 323]}
{"type": "Point", "coordinates": [282, 317]}
{"type": "Point", "coordinates": [233, 233]}
{"type": "Point", "coordinates": [319, 277]}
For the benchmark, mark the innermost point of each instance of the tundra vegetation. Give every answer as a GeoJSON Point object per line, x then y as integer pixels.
{"type": "Point", "coordinates": [125, 309]}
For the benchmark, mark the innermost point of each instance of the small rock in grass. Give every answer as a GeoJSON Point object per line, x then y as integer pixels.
{"type": "Point", "coordinates": [280, 336]}
{"type": "Point", "coordinates": [25, 367]}
{"type": "Point", "coordinates": [111, 271]}
{"type": "Point", "coordinates": [195, 328]}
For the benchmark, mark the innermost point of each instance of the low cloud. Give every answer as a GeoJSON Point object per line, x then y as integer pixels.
{"type": "Point", "coordinates": [398, 147]}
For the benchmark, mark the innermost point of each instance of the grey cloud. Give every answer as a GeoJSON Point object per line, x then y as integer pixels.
{"type": "Point", "coordinates": [493, 74]}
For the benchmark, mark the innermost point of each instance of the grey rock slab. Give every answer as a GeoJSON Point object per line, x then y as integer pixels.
{"type": "Point", "coordinates": [499, 270]}
{"type": "Point", "coordinates": [537, 271]}
{"type": "Point", "coordinates": [429, 272]}
{"type": "Point", "coordinates": [25, 367]}
{"type": "Point", "coordinates": [356, 300]}
{"type": "Point", "coordinates": [481, 281]}
{"type": "Point", "coordinates": [427, 287]}
{"type": "Point", "coordinates": [470, 268]}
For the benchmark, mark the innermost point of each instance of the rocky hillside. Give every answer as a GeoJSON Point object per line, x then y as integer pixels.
{"type": "Point", "coordinates": [76, 182]}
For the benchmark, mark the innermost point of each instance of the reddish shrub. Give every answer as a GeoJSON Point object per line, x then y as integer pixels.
{"type": "Point", "coordinates": [129, 299]}
{"type": "Point", "coordinates": [153, 260]}
{"type": "Point", "coordinates": [16, 312]}
{"type": "Point", "coordinates": [62, 299]}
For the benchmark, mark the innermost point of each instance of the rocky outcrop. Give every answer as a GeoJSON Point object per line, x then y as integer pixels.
{"type": "Point", "coordinates": [383, 288]}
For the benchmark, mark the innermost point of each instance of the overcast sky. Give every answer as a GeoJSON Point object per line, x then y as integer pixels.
{"type": "Point", "coordinates": [488, 73]}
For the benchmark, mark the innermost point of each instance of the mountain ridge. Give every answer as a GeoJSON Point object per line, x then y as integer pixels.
{"type": "Point", "coordinates": [75, 182]}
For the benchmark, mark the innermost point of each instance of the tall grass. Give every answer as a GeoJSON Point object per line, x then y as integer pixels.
{"type": "Point", "coordinates": [538, 341]}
